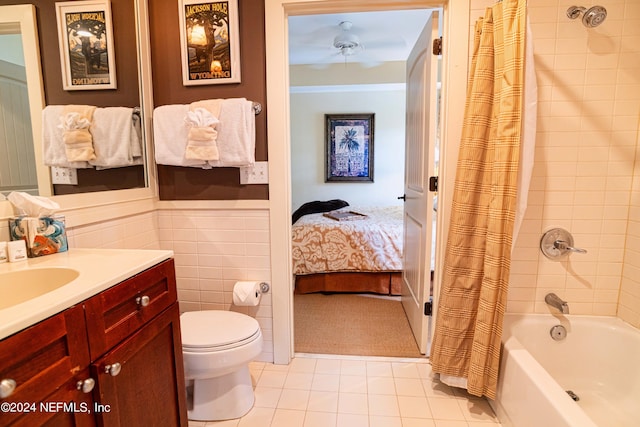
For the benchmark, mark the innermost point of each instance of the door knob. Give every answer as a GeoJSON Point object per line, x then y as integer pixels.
{"type": "Point", "coordinates": [403, 198]}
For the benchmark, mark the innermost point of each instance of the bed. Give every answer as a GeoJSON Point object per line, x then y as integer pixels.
{"type": "Point", "coordinates": [361, 254]}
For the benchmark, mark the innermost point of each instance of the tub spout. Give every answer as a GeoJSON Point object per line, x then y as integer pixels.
{"type": "Point", "coordinates": [554, 301]}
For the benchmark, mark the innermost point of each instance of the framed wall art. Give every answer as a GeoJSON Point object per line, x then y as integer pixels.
{"type": "Point", "coordinates": [209, 42]}
{"type": "Point", "coordinates": [85, 39]}
{"type": "Point", "coordinates": [349, 147]}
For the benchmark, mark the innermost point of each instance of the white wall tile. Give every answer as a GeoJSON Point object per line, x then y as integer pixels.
{"type": "Point", "coordinates": [589, 99]}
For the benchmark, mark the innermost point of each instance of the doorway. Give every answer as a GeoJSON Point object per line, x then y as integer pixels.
{"type": "Point", "coordinates": [456, 34]}
{"type": "Point", "coordinates": [369, 79]}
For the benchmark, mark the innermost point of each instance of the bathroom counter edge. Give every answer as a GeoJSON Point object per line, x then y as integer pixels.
{"type": "Point", "coordinates": [99, 269]}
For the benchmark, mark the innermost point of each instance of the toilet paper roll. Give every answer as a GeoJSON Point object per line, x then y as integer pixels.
{"type": "Point", "coordinates": [246, 293]}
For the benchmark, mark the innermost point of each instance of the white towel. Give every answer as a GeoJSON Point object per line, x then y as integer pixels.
{"type": "Point", "coordinates": [236, 134]}
{"type": "Point", "coordinates": [170, 133]}
{"type": "Point", "coordinates": [115, 139]}
{"type": "Point", "coordinates": [53, 147]}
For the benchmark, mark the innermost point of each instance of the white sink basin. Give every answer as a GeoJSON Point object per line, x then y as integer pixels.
{"type": "Point", "coordinates": [22, 285]}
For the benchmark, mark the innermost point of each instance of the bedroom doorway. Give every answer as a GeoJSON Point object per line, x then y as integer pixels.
{"type": "Point", "coordinates": [334, 311]}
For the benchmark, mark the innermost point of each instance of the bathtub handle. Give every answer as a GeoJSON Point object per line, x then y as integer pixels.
{"type": "Point", "coordinates": [563, 246]}
{"type": "Point", "coordinates": [557, 244]}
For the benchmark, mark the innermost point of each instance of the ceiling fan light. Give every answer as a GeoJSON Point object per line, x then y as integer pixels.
{"type": "Point", "coordinates": [346, 39]}
{"type": "Point", "coordinates": [347, 51]}
{"type": "Point", "coordinates": [347, 43]}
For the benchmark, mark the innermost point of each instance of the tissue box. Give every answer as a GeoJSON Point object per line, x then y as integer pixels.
{"type": "Point", "coordinates": [44, 236]}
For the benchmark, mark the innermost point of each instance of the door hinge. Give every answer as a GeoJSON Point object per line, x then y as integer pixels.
{"type": "Point", "coordinates": [437, 46]}
{"type": "Point", "coordinates": [433, 183]}
{"type": "Point", "coordinates": [428, 308]}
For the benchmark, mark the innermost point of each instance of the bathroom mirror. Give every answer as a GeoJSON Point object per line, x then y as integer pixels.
{"type": "Point", "coordinates": [46, 88]}
{"type": "Point", "coordinates": [21, 98]}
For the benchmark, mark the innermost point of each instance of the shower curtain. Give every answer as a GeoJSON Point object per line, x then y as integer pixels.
{"type": "Point", "coordinates": [466, 343]}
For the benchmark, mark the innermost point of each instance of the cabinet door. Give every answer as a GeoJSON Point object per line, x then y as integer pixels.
{"type": "Point", "coordinates": [119, 311]}
{"type": "Point", "coordinates": [45, 361]}
{"type": "Point", "coordinates": [141, 381]}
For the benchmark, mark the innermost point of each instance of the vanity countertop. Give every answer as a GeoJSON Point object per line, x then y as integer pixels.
{"type": "Point", "coordinates": [99, 269]}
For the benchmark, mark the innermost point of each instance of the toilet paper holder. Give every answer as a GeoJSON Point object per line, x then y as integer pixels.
{"type": "Point", "coordinates": [264, 287]}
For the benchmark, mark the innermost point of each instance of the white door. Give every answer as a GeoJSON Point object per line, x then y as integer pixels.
{"type": "Point", "coordinates": [419, 166]}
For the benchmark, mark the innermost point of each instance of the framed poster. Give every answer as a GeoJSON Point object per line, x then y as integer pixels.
{"type": "Point", "coordinates": [349, 147]}
{"type": "Point", "coordinates": [209, 42]}
{"type": "Point", "coordinates": [85, 39]}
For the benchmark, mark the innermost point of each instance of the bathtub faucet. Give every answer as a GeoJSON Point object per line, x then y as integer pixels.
{"type": "Point", "coordinates": [554, 301]}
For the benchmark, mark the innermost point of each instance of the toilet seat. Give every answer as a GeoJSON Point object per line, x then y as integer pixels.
{"type": "Point", "coordinates": [216, 330]}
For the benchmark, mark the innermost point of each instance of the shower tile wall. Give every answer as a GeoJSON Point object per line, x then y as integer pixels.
{"type": "Point", "coordinates": [585, 176]}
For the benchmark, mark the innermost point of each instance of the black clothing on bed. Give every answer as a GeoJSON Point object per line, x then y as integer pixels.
{"type": "Point", "coordinates": [317, 207]}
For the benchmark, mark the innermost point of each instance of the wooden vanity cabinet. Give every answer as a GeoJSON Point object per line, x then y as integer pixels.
{"type": "Point", "coordinates": [126, 339]}
{"type": "Point", "coordinates": [136, 351]}
{"type": "Point", "coordinates": [46, 361]}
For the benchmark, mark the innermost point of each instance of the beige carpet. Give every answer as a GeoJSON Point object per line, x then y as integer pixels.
{"type": "Point", "coordinates": [353, 325]}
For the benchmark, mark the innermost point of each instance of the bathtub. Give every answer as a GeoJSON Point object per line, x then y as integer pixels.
{"type": "Point", "coordinates": [598, 361]}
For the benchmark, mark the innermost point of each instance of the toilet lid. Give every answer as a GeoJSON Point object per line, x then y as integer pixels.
{"type": "Point", "coordinates": [215, 328]}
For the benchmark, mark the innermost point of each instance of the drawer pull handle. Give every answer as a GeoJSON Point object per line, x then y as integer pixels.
{"type": "Point", "coordinates": [86, 386]}
{"type": "Point", "coordinates": [143, 301]}
{"type": "Point", "coordinates": [113, 369]}
{"type": "Point", "coordinates": [7, 386]}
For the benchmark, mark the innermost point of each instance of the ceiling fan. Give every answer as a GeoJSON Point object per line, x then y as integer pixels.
{"type": "Point", "coordinates": [347, 42]}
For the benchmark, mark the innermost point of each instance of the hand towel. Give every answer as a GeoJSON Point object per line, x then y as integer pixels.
{"type": "Point", "coordinates": [236, 134]}
{"type": "Point", "coordinates": [78, 141]}
{"type": "Point", "coordinates": [170, 133]}
{"type": "Point", "coordinates": [114, 138]}
{"type": "Point", "coordinates": [53, 148]}
{"type": "Point", "coordinates": [202, 138]}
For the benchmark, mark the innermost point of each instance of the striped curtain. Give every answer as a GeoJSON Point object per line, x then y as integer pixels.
{"type": "Point", "coordinates": [473, 296]}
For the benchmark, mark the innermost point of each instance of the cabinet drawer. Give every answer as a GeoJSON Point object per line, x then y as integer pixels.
{"type": "Point", "coordinates": [65, 407]}
{"type": "Point", "coordinates": [119, 311]}
{"type": "Point", "coordinates": [43, 357]}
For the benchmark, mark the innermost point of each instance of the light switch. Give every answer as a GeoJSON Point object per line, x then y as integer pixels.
{"type": "Point", "coordinates": [258, 174]}
{"type": "Point", "coordinates": [64, 176]}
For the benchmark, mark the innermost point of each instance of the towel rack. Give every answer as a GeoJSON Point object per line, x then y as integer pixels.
{"type": "Point", "coordinates": [257, 108]}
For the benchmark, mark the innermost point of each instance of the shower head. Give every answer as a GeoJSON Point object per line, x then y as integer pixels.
{"type": "Point", "coordinates": [591, 17]}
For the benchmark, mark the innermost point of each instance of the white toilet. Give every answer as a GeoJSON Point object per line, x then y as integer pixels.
{"type": "Point", "coordinates": [217, 346]}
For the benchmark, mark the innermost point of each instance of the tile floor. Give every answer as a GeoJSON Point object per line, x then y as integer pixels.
{"type": "Point", "coordinates": [346, 391]}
